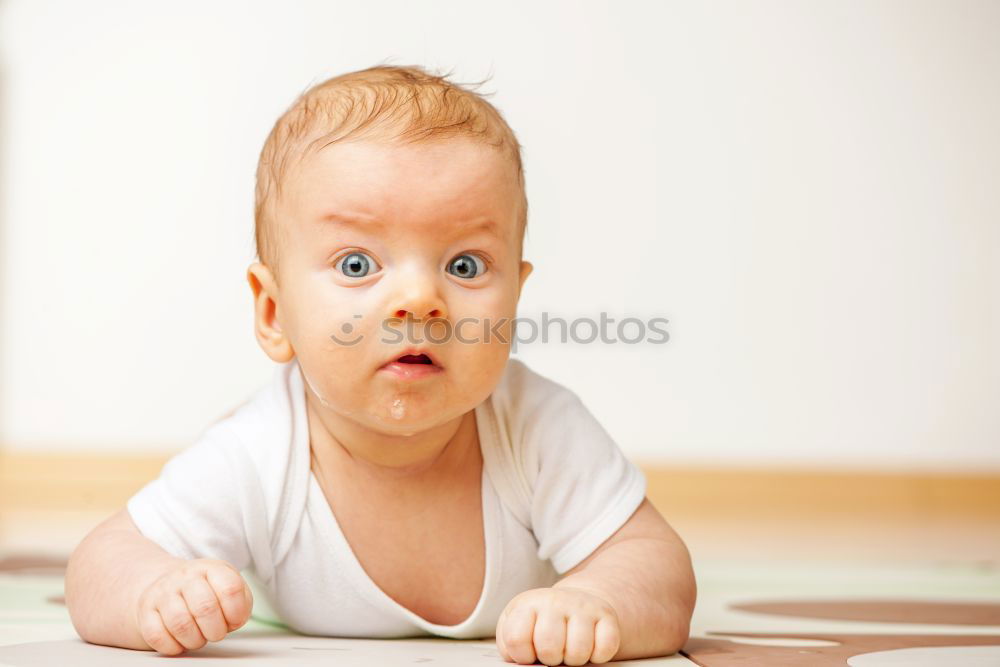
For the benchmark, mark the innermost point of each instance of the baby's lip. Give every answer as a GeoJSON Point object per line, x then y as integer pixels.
{"type": "Point", "coordinates": [414, 355]}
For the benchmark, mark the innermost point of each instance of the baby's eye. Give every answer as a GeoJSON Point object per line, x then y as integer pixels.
{"type": "Point", "coordinates": [467, 266]}
{"type": "Point", "coordinates": [356, 264]}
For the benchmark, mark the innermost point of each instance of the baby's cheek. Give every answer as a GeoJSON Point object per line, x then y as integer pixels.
{"type": "Point", "coordinates": [476, 368]}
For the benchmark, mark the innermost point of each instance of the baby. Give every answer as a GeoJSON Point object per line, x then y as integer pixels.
{"type": "Point", "coordinates": [400, 475]}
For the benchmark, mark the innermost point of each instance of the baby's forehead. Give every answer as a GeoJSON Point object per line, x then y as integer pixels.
{"type": "Point", "coordinates": [444, 184]}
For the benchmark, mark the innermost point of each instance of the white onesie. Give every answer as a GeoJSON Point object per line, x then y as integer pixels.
{"type": "Point", "coordinates": [554, 487]}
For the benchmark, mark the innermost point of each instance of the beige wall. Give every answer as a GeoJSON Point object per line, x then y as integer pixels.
{"type": "Point", "coordinates": [808, 191]}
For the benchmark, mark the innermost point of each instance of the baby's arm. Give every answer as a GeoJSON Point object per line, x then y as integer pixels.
{"type": "Point", "coordinates": [644, 572]}
{"type": "Point", "coordinates": [122, 589]}
{"type": "Point", "coordinates": [631, 598]}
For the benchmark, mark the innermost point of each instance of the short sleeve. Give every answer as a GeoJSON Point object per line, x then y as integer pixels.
{"type": "Point", "coordinates": [193, 509]}
{"type": "Point", "coordinates": [585, 488]}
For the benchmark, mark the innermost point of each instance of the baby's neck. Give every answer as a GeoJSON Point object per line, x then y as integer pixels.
{"type": "Point", "coordinates": [341, 447]}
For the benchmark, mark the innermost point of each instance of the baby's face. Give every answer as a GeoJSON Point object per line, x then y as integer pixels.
{"type": "Point", "coordinates": [427, 233]}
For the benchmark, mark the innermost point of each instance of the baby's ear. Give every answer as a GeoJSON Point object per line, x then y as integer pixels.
{"type": "Point", "coordinates": [265, 319]}
{"type": "Point", "coordinates": [526, 268]}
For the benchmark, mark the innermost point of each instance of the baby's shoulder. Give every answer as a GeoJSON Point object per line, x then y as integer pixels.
{"type": "Point", "coordinates": [261, 431]}
{"type": "Point", "coordinates": [528, 422]}
{"type": "Point", "coordinates": [526, 395]}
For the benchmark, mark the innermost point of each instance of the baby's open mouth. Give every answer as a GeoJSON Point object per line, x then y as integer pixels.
{"type": "Point", "coordinates": [413, 366]}
{"type": "Point", "coordinates": [415, 359]}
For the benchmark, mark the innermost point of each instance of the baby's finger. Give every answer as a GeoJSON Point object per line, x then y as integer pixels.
{"type": "Point", "coordinates": [550, 637]}
{"type": "Point", "coordinates": [204, 606]}
{"type": "Point", "coordinates": [155, 633]}
{"type": "Point", "coordinates": [233, 594]}
{"type": "Point", "coordinates": [517, 630]}
{"type": "Point", "coordinates": [606, 639]}
{"type": "Point", "coordinates": [579, 639]}
{"type": "Point", "coordinates": [500, 648]}
{"type": "Point", "coordinates": [499, 638]}
{"type": "Point", "coordinates": [179, 622]}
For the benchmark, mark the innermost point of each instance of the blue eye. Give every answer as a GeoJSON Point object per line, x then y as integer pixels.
{"type": "Point", "coordinates": [355, 264]}
{"type": "Point", "coordinates": [467, 266]}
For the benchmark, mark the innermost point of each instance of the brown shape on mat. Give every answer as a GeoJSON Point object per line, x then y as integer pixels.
{"type": "Point", "coordinates": [724, 653]}
{"type": "Point", "coordinates": [881, 611]}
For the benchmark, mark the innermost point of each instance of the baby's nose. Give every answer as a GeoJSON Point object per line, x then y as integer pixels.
{"type": "Point", "coordinates": [418, 313]}
{"type": "Point", "coordinates": [418, 297]}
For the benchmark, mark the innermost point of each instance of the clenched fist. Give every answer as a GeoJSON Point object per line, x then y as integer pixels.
{"type": "Point", "coordinates": [558, 625]}
{"type": "Point", "coordinates": [198, 601]}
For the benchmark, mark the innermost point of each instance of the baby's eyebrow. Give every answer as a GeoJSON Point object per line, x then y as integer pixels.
{"type": "Point", "coordinates": [348, 218]}
{"type": "Point", "coordinates": [486, 225]}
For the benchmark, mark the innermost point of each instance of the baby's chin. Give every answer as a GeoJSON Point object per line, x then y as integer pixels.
{"type": "Point", "coordinates": [407, 414]}
{"type": "Point", "coordinates": [401, 408]}
{"type": "Point", "coordinates": [400, 413]}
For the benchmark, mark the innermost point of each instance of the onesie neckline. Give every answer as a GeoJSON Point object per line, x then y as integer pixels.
{"type": "Point", "coordinates": [371, 591]}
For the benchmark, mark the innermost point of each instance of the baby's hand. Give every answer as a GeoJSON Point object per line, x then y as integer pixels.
{"type": "Point", "coordinates": [558, 625]}
{"type": "Point", "coordinates": [198, 601]}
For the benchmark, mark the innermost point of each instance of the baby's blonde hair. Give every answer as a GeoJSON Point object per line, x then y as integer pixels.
{"type": "Point", "coordinates": [401, 103]}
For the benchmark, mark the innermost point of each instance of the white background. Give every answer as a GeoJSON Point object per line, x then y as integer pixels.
{"type": "Point", "coordinates": [808, 191]}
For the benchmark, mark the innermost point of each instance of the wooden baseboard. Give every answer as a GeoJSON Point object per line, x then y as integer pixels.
{"type": "Point", "coordinates": [104, 482]}
{"type": "Point", "coordinates": [717, 492]}
{"type": "Point", "coordinates": [73, 481]}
